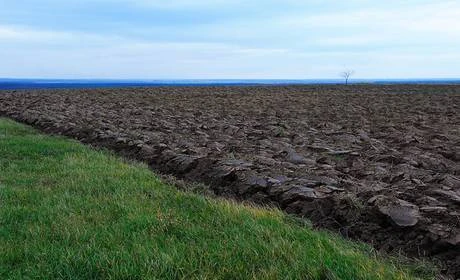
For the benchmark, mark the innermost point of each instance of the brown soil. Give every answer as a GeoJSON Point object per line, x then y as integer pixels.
{"type": "Point", "coordinates": [376, 163]}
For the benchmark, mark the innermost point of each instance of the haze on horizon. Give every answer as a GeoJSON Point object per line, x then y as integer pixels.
{"type": "Point", "coordinates": [205, 39]}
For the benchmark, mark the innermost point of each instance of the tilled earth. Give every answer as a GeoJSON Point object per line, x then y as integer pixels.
{"type": "Point", "coordinates": [376, 163]}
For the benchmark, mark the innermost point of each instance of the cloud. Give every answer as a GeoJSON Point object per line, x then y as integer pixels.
{"type": "Point", "coordinates": [439, 17]}
{"type": "Point", "coordinates": [390, 26]}
{"type": "Point", "coordinates": [270, 39]}
{"type": "Point", "coordinates": [185, 4]}
{"type": "Point", "coordinates": [10, 33]}
{"type": "Point", "coordinates": [14, 34]}
{"type": "Point", "coordinates": [93, 55]}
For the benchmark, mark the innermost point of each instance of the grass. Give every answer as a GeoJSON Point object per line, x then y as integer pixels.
{"type": "Point", "coordinates": [70, 212]}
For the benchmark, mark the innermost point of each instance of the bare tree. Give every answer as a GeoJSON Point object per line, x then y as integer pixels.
{"type": "Point", "coordinates": [346, 75]}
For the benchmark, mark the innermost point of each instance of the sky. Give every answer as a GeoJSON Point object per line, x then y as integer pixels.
{"type": "Point", "coordinates": [229, 39]}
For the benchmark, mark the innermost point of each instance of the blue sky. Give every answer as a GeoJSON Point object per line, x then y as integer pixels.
{"type": "Point", "coordinates": [212, 39]}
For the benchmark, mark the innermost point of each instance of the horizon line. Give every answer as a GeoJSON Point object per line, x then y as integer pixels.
{"type": "Point", "coordinates": [226, 79]}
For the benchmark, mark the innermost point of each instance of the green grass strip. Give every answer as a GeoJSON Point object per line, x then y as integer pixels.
{"type": "Point", "coordinates": [71, 212]}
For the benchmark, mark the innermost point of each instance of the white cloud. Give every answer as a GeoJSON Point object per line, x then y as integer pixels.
{"type": "Point", "coordinates": [10, 33]}
{"type": "Point", "coordinates": [92, 55]}
{"type": "Point", "coordinates": [185, 4]}
{"type": "Point", "coordinates": [438, 18]}
{"type": "Point", "coordinates": [14, 34]}
{"type": "Point", "coordinates": [417, 40]}
{"type": "Point", "coordinates": [390, 26]}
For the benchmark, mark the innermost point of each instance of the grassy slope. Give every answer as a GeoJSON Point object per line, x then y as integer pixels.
{"type": "Point", "coordinates": [69, 212]}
